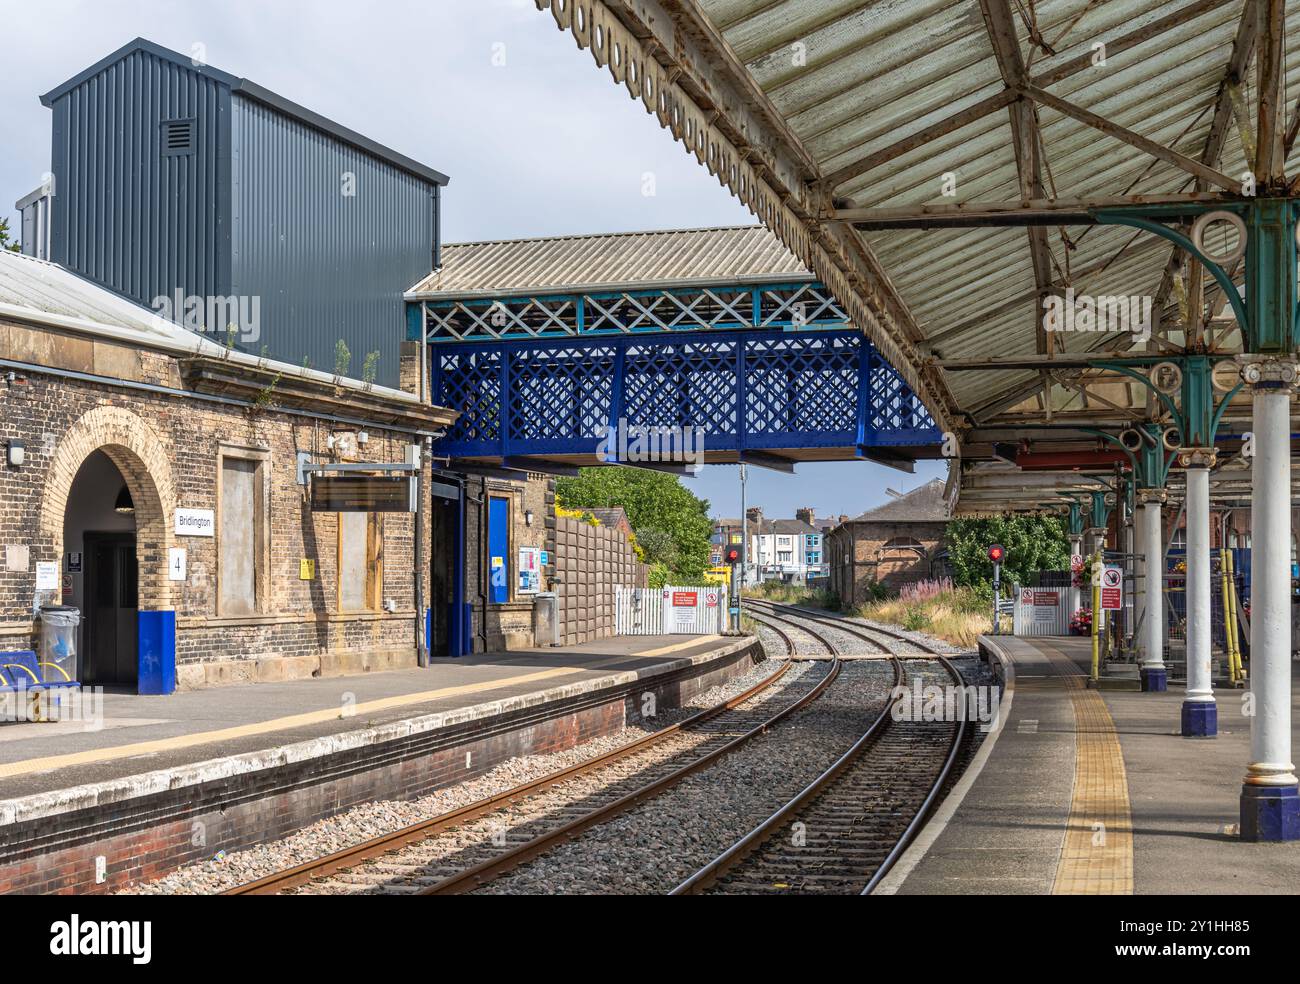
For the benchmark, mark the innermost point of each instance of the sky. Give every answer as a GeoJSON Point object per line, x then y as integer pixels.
{"type": "Point", "coordinates": [537, 140]}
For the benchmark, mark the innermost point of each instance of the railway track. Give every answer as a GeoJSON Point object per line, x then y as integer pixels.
{"type": "Point", "coordinates": [589, 792]}
{"type": "Point", "coordinates": [844, 832]}
{"type": "Point", "coordinates": [856, 817]}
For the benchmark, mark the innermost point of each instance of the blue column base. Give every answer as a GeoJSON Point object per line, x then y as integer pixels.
{"type": "Point", "coordinates": [1154, 681]}
{"type": "Point", "coordinates": [156, 652]}
{"type": "Point", "coordinates": [1200, 719]}
{"type": "Point", "coordinates": [1270, 813]}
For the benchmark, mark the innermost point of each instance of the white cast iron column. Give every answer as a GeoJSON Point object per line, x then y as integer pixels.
{"type": "Point", "coordinates": [1154, 676]}
{"type": "Point", "coordinates": [1270, 804]}
{"type": "Point", "coordinates": [1200, 715]}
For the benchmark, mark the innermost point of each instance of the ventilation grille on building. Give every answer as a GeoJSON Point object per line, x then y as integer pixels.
{"type": "Point", "coordinates": [177, 137]}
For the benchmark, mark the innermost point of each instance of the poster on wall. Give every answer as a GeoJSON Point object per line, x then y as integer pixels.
{"type": "Point", "coordinates": [530, 570]}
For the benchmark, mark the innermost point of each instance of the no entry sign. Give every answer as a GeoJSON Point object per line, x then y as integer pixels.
{"type": "Point", "coordinates": [1112, 589]}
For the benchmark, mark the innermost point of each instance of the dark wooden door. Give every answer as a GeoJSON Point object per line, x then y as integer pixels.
{"type": "Point", "coordinates": [111, 611]}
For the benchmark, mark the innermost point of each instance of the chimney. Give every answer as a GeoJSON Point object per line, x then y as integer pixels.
{"type": "Point", "coordinates": [806, 515]}
{"type": "Point", "coordinates": [754, 514]}
{"type": "Point", "coordinates": [843, 519]}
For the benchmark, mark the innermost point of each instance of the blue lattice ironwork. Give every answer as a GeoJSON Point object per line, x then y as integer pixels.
{"type": "Point", "coordinates": [806, 305]}
{"type": "Point", "coordinates": [745, 390]}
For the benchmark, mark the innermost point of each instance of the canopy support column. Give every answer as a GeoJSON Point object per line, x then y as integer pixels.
{"type": "Point", "coordinates": [1270, 799]}
{"type": "Point", "coordinates": [1200, 717]}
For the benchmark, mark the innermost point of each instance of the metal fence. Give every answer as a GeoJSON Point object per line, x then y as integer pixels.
{"type": "Point", "coordinates": [672, 609]}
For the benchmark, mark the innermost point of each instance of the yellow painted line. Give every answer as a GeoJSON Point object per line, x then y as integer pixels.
{"type": "Point", "coordinates": [677, 646]}
{"type": "Point", "coordinates": [90, 756]}
{"type": "Point", "coordinates": [1097, 854]}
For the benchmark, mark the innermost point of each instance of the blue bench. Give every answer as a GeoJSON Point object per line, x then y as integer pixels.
{"type": "Point", "coordinates": [21, 672]}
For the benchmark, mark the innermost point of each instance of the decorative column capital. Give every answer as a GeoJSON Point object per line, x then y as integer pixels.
{"type": "Point", "coordinates": [1270, 372]}
{"type": "Point", "coordinates": [1197, 457]}
{"type": "Point", "coordinates": [1149, 497]}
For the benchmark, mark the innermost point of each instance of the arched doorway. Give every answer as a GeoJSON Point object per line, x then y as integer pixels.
{"type": "Point", "coordinates": [101, 573]}
{"type": "Point", "coordinates": [109, 483]}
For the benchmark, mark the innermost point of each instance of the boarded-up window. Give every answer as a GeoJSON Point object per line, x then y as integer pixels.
{"type": "Point", "coordinates": [240, 521]}
{"type": "Point", "coordinates": [360, 561]}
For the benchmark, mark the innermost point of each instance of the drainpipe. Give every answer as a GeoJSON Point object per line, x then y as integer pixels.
{"type": "Point", "coordinates": [483, 572]}
{"type": "Point", "coordinates": [414, 456]}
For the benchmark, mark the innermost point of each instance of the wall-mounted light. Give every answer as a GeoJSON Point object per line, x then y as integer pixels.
{"type": "Point", "coordinates": [363, 437]}
{"type": "Point", "coordinates": [124, 504]}
{"type": "Point", "coordinates": [17, 453]}
{"type": "Point", "coordinates": [528, 517]}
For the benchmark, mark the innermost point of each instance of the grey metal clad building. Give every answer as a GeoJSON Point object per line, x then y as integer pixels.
{"type": "Point", "coordinates": [174, 179]}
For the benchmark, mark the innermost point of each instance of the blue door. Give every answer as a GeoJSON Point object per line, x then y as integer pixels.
{"type": "Point", "coordinates": [499, 549]}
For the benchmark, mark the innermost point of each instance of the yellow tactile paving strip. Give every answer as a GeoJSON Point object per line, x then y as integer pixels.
{"type": "Point", "coordinates": [1097, 855]}
{"type": "Point", "coordinates": [334, 713]}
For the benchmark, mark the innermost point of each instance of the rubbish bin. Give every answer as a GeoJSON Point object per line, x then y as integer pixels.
{"type": "Point", "coordinates": [546, 619]}
{"type": "Point", "coordinates": [59, 641]}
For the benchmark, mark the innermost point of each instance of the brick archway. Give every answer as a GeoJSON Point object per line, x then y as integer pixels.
{"type": "Point", "coordinates": [137, 451]}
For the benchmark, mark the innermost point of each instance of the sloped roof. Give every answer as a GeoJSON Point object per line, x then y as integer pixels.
{"type": "Point", "coordinates": [870, 113]}
{"type": "Point", "coordinates": [925, 504]}
{"type": "Point", "coordinates": [785, 527]}
{"type": "Point", "coordinates": [680, 257]}
{"type": "Point", "coordinates": [253, 91]}
{"type": "Point", "coordinates": [39, 291]}
{"type": "Point", "coordinates": [610, 515]}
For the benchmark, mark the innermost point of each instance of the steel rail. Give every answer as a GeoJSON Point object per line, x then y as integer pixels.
{"type": "Point", "coordinates": [494, 868]}
{"type": "Point", "coordinates": [760, 835]}
{"type": "Point", "coordinates": [313, 870]}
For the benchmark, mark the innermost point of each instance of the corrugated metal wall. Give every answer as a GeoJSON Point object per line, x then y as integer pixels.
{"type": "Point", "coordinates": [138, 222]}
{"type": "Point", "coordinates": [327, 265]}
{"type": "Point", "coordinates": [258, 210]}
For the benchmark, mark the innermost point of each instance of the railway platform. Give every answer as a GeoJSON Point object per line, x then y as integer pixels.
{"type": "Point", "coordinates": [1083, 791]}
{"type": "Point", "coordinates": [163, 780]}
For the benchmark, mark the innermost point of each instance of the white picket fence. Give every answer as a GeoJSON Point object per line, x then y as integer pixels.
{"type": "Point", "coordinates": [672, 609]}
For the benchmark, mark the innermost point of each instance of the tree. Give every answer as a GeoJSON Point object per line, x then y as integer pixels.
{"type": "Point", "coordinates": [5, 243]}
{"type": "Point", "coordinates": [672, 525]}
{"type": "Point", "coordinates": [1033, 543]}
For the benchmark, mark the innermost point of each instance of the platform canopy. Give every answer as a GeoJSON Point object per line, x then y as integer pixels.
{"type": "Point", "coordinates": [940, 165]}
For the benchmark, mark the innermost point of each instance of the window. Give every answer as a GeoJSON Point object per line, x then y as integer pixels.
{"type": "Point", "coordinates": [242, 545]}
{"type": "Point", "coordinates": [361, 561]}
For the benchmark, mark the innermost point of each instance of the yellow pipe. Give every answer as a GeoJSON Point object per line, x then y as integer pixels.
{"type": "Point", "coordinates": [1231, 613]}
{"type": "Point", "coordinates": [1227, 626]}
{"type": "Point", "coordinates": [57, 667]}
{"type": "Point", "coordinates": [1096, 613]}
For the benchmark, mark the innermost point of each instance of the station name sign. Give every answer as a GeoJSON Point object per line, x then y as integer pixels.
{"type": "Point", "coordinates": [196, 522]}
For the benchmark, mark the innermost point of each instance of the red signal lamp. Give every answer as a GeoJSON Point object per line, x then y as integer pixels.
{"type": "Point", "coordinates": [732, 555]}
{"type": "Point", "coordinates": [997, 553]}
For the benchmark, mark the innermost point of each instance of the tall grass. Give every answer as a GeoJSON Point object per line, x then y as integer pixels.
{"type": "Point", "coordinates": [955, 615]}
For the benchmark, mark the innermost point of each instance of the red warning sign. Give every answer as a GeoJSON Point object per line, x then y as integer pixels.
{"type": "Point", "coordinates": [685, 599]}
{"type": "Point", "coordinates": [1112, 589]}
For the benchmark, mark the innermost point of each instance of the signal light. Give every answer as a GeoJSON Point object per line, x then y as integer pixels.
{"type": "Point", "coordinates": [732, 555]}
{"type": "Point", "coordinates": [996, 553]}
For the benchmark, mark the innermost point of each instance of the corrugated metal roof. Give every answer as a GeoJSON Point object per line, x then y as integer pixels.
{"type": "Point", "coordinates": [735, 254]}
{"type": "Point", "coordinates": [42, 292]}
{"type": "Point", "coordinates": [253, 91]}
{"type": "Point", "coordinates": [845, 80]}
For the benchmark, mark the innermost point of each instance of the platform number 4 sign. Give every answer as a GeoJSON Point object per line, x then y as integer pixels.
{"type": "Point", "coordinates": [176, 564]}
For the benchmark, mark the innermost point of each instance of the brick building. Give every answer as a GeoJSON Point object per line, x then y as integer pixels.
{"type": "Point", "coordinates": [154, 476]}
{"type": "Point", "coordinates": [899, 542]}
